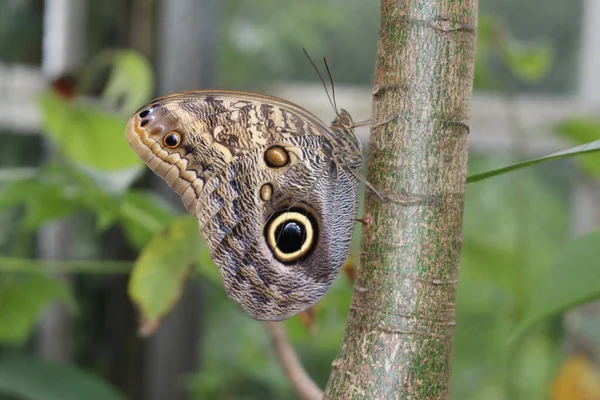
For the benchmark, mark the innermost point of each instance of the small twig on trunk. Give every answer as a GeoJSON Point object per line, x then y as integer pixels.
{"type": "Point", "coordinates": [304, 386]}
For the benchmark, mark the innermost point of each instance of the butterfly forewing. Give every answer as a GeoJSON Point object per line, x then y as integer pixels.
{"type": "Point", "coordinates": [269, 184]}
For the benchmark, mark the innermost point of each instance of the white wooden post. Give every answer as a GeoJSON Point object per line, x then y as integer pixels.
{"type": "Point", "coordinates": [589, 76]}
{"type": "Point", "coordinates": [63, 50]}
{"type": "Point", "coordinates": [184, 60]}
{"type": "Point", "coordinates": [585, 195]}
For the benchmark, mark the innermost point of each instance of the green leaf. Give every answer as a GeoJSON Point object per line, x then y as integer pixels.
{"type": "Point", "coordinates": [582, 130]}
{"type": "Point", "coordinates": [22, 300]}
{"type": "Point", "coordinates": [161, 269]}
{"type": "Point", "coordinates": [131, 81]}
{"type": "Point", "coordinates": [86, 192]}
{"type": "Point", "coordinates": [572, 152]}
{"type": "Point", "coordinates": [86, 134]}
{"type": "Point", "coordinates": [43, 200]}
{"type": "Point", "coordinates": [113, 182]}
{"type": "Point", "coordinates": [572, 279]}
{"type": "Point", "coordinates": [57, 192]}
{"type": "Point", "coordinates": [487, 32]}
{"type": "Point", "coordinates": [529, 62]}
{"type": "Point", "coordinates": [32, 379]}
{"type": "Point", "coordinates": [143, 216]}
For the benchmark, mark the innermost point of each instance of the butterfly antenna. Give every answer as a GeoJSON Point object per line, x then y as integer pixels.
{"type": "Point", "coordinates": [332, 102]}
{"type": "Point", "coordinates": [332, 85]}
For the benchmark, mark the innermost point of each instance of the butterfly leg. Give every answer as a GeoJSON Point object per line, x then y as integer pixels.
{"type": "Point", "coordinates": [368, 184]}
{"type": "Point", "coordinates": [367, 122]}
{"type": "Point", "coordinates": [385, 122]}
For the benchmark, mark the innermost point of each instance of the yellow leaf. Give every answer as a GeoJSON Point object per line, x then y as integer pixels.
{"type": "Point", "coordinates": [577, 379]}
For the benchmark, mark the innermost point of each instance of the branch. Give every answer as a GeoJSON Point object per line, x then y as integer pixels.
{"type": "Point", "coordinates": [304, 386]}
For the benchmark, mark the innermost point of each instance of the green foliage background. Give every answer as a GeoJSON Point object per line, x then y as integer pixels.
{"type": "Point", "coordinates": [520, 270]}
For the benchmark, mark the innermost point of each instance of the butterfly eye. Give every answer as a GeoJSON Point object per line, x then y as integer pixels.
{"type": "Point", "coordinates": [344, 118]}
{"type": "Point", "coordinates": [291, 236]}
{"type": "Point", "coordinates": [345, 121]}
{"type": "Point", "coordinates": [172, 140]}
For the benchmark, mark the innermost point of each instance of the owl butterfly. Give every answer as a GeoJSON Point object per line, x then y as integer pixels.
{"type": "Point", "coordinates": [274, 189]}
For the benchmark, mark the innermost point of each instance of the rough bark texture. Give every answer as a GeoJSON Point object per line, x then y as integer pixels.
{"type": "Point", "coordinates": [398, 340]}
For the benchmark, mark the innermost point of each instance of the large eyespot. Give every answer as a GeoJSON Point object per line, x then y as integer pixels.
{"type": "Point", "coordinates": [292, 235]}
{"type": "Point", "coordinates": [276, 157]}
{"type": "Point", "coordinates": [172, 139]}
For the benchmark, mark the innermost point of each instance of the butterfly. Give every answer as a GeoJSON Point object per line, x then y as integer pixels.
{"type": "Point", "coordinates": [275, 189]}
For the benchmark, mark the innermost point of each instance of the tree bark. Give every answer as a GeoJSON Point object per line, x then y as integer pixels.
{"type": "Point", "coordinates": [398, 339]}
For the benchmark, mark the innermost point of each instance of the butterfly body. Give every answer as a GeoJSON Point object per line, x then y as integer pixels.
{"type": "Point", "coordinates": [271, 185]}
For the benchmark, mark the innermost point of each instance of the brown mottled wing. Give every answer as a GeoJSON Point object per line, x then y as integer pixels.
{"type": "Point", "coordinates": [246, 205]}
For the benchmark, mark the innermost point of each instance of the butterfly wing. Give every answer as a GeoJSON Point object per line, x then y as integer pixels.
{"type": "Point", "coordinates": [275, 209]}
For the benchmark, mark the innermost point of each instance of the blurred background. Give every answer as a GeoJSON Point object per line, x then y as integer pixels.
{"type": "Point", "coordinates": [77, 208]}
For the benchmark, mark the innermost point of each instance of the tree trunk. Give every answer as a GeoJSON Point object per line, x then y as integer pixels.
{"type": "Point", "coordinates": [398, 339]}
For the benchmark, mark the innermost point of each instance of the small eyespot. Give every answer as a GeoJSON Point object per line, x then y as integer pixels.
{"type": "Point", "coordinates": [291, 235]}
{"type": "Point", "coordinates": [144, 113]}
{"type": "Point", "coordinates": [276, 157]}
{"type": "Point", "coordinates": [172, 139]}
{"type": "Point", "coordinates": [266, 191]}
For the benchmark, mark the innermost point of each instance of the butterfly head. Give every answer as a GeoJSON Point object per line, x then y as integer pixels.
{"type": "Point", "coordinates": [343, 120]}
{"type": "Point", "coordinates": [347, 148]}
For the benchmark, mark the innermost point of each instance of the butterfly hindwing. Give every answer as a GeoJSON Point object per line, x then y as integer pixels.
{"type": "Point", "coordinates": [264, 178]}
